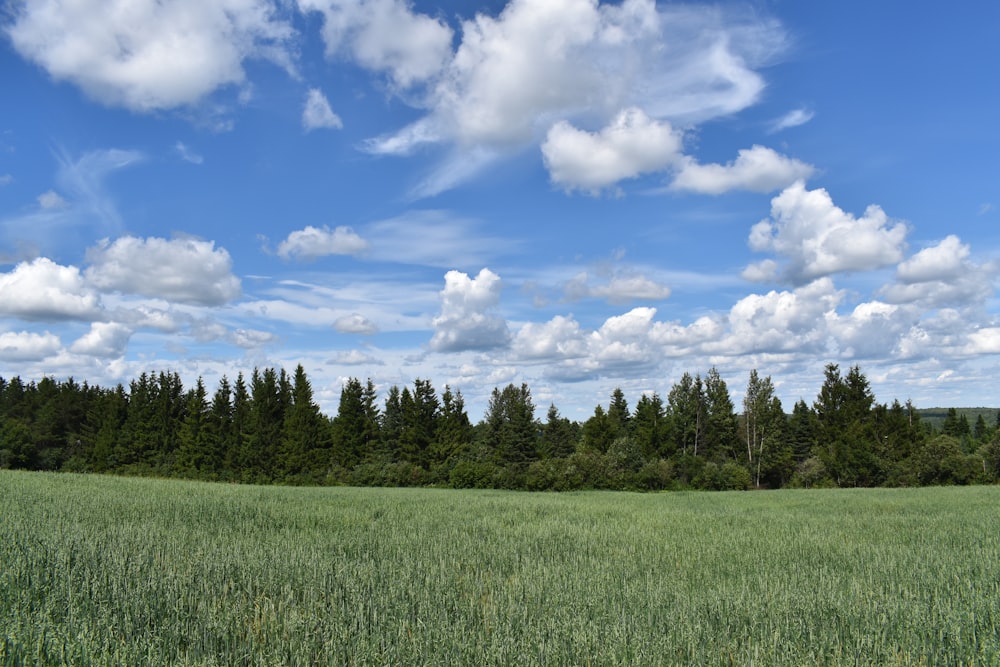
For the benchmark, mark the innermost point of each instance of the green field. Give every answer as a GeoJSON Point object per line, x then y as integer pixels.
{"type": "Point", "coordinates": [102, 570]}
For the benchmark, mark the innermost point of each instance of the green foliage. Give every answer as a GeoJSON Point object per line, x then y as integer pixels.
{"type": "Point", "coordinates": [273, 432]}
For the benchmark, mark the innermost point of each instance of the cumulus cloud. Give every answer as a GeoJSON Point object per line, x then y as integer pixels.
{"type": "Point", "coordinates": [466, 321]}
{"type": "Point", "coordinates": [781, 321]}
{"type": "Point", "coordinates": [28, 345]}
{"type": "Point", "coordinates": [942, 275]}
{"type": "Point", "coordinates": [633, 144]}
{"type": "Point", "coordinates": [147, 55]}
{"type": "Point", "coordinates": [758, 169]}
{"type": "Point", "coordinates": [540, 61]}
{"type": "Point", "coordinates": [816, 238]}
{"type": "Point", "coordinates": [619, 287]}
{"type": "Point", "coordinates": [314, 242]}
{"type": "Point", "coordinates": [178, 270]}
{"type": "Point", "coordinates": [46, 291]}
{"type": "Point", "coordinates": [559, 338]}
{"type": "Point", "coordinates": [317, 113]}
{"type": "Point", "coordinates": [355, 323]}
{"type": "Point", "coordinates": [105, 339]}
{"type": "Point", "coordinates": [872, 329]}
{"type": "Point", "coordinates": [985, 340]}
{"type": "Point", "coordinates": [384, 36]}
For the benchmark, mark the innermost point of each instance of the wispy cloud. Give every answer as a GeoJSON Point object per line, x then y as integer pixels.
{"type": "Point", "coordinates": [793, 118]}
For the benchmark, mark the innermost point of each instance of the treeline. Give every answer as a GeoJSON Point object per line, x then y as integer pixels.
{"type": "Point", "coordinates": [268, 429]}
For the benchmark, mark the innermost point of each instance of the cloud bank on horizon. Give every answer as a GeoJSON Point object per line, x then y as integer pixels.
{"type": "Point", "coordinates": [575, 194]}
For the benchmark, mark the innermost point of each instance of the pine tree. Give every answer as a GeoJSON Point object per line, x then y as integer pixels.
{"type": "Point", "coordinates": [303, 444]}
{"type": "Point", "coordinates": [618, 413]}
{"type": "Point", "coordinates": [512, 433]}
{"type": "Point", "coordinates": [650, 426]}
{"type": "Point", "coordinates": [721, 440]}
{"type": "Point", "coordinates": [558, 435]}
{"type": "Point", "coordinates": [193, 457]}
{"type": "Point", "coordinates": [420, 412]}
{"type": "Point", "coordinates": [454, 430]}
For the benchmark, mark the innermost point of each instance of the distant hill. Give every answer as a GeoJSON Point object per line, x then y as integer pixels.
{"type": "Point", "coordinates": [936, 416]}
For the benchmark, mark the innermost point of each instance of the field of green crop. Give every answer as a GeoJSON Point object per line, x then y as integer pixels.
{"type": "Point", "coordinates": [100, 570]}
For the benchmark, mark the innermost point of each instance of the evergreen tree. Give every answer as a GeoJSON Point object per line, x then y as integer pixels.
{"type": "Point", "coordinates": [193, 457]}
{"type": "Point", "coordinates": [219, 429]}
{"type": "Point", "coordinates": [721, 440]}
{"type": "Point", "coordinates": [650, 426]}
{"type": "Point", "coordinates": [350, 425]}
{"type": "Point", "coordinates": [266, 420]}
{"type": "Point", "coordinates": [599, 431]}
{"type": "Point", "coordinates": [686, 411]}
{"type": "Point", "coordinates": [238, 457]}
{"type": "Point", "coordinates": [106, 421]}
{"type": "Point", "coordinates": [139, 440]}
{"type": "Point", "coordinates": [512, 432]}
{"type": "Point", "coordinates": [420, 412]}
{"type": "Point", "coordinates": [558, 435]}
{"type": "Point", "coordinates": [454, 430]}
{"type": "Point", "coordinates": [391, 425]}
{"type": "Point", "coordinates": [618, 413]}
{"type": "Point", "coordinates": [844, 411]}
{"type": "Point", "coordinates": [303, 449]}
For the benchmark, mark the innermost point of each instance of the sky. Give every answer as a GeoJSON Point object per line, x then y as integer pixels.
{"type": "Point", "coordinates": [570, 194]}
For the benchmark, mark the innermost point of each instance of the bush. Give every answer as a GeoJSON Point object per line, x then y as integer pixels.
{"type": "Point", "coordinates": [811, 474]}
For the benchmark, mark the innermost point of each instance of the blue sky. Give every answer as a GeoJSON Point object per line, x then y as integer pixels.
{"type": "Point", "coordinates": [572, 194]}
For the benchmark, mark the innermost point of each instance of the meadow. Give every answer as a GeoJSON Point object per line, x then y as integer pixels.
{"type": "Point", "coordinates": [101, 570]}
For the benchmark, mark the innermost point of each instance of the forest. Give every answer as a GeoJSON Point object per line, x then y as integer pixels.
{"type": "Point", "coordinates": [267, 429]}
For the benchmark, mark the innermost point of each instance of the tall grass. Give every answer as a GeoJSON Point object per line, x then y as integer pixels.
{"type": "Point", "coordinates": [99, 570]}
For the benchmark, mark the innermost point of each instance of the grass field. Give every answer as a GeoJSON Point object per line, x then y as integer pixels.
{"type": "Point", "coordinates": [100, 570]}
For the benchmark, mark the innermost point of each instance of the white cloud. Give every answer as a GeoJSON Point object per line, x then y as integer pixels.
{"type": "Point", "coordinates": [872, 330]}
{"type": "Point", "coordinates": [984, 341]}
{"type": "Point", "coordinates": [542, 60]}
{"type": "Point", "coordinates": [147, 55]}
{"type": "Point", "coordinates": [314, 242]}
{"type": "Point", "coordinates": [252, 338]}
{"type": "Point", "coordinates": [633, 144]}
{"type": "Point", "coordinates": [465, 321]}
{"type": "Point", "coordinates": [559, 338]}
{"type": "Point", "coordinates": [819, 239]}
{"type": "Point", "coordinates": [6, 179]}
{"type": "Point", "coordinates": [942, 275]}
{"type": "Point", "coordinates": [619, 288]}
{"type": "Point", "coordinates": [355, 323]}
{"type": "Point", "coordinates": [355, 358]}
{"type": "Point", "coordinates": [758, 169]}
{"type": "Point", "coordinates": [28, 345]}
{"type": "Point", "coordinates": [317, 113]}
{"type": "Point", "coordinates": [433, 238]}
{"type": "Point", "coordinates": [785, 321]}
{"type": "Point", "coordinates": [943, 262]}
{"type": "Point", "coordinates": [793, 118]}
{"type": "Point", "coordinates": [185, 153]}
{"type": "Point", "coordinates": [44, 290]}
{"type": "Point", "coordinates": [51, 200]}
{"type": "Point", "coordinates": [178, 270]}
{"type": "Point", "coordinates": [384, 36]}
{"type": "Point", "coordinates": [105, 339]}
